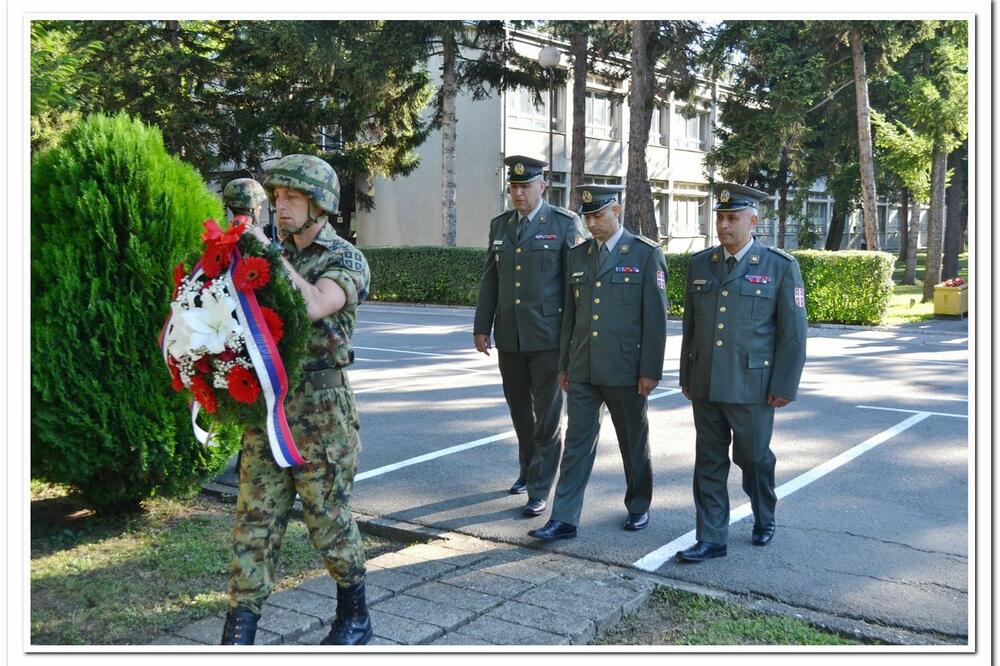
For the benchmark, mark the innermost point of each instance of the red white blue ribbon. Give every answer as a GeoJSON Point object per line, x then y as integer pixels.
{"type": "Point", "coordinates": [270, 372]}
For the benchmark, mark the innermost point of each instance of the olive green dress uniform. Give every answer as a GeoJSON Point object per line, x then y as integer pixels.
{"type": "Point", "coordinates": [324, 423]}
{"type": "Point", "coordinates": [614, 332]}
{"type": "Point", "coordinates": [521, 301]}
{"type": "Point", "coordinates": [744, 338]}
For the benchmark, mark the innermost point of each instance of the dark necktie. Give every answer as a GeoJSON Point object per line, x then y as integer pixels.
{"type": "Point", "coordinates": [603, 253]}
{"type": "Point", "coordinates": [730, 262]}
{"type": "Point", "coordinates": [522, 227]}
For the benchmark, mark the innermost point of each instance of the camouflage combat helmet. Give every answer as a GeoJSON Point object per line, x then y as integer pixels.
{"type": "Point", "coordinates": [308, 174]}
{"type": "Point", "coordinates": [243, 195]}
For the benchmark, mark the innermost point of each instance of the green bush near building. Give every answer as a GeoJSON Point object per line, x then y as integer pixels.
{"type": "Point", "coordinates": [111, 214]}
{"type": "Point", "coordinates": [850, 287]}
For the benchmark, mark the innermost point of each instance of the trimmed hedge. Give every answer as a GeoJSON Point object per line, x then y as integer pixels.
{"type": "Point", "coordinates": [111, 213]}
{"type": "Point", "coordinates": [850, 287]}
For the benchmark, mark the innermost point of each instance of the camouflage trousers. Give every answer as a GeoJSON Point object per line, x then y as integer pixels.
{"type": "Point", "coordinates": [324, 425]}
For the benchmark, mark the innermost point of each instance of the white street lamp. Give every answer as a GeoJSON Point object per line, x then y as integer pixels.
{"type": "Point", "coordinates": [549, 57]}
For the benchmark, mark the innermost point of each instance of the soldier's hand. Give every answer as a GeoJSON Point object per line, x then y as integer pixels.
{"type": "Point", "coordinates": [684, 390]}
{"type": "Point", "coordinates": [777, 401]}
{"type": "Point", "coordinates": [647, 384]}
{"type": "Point", "coordinates": [258, 233]}
{"type": "Point", "coordinates": [564, 380]}
{"type": "Point", "coordinates": [482, 343]}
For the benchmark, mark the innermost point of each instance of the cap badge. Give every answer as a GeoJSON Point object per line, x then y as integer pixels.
{"type": "Point", "coordinates": [724, 196]}
{"type": "Point", "coordinates": [519, 169]}
{"type": "Point", "coordinates": [586, 197]}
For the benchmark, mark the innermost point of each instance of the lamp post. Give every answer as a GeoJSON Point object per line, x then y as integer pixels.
{"type": "Point", "coordinates": [549, 57]}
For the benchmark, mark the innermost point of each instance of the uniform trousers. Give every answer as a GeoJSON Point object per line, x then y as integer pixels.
{"type": "Point", "coordinates": [585, 406]}
{"type": "Point", "coordinates": [324, 427]}
{"type": "Point", "coordinates": [748, 427]}
{"type": "Point", "coordinates": [531, 387]}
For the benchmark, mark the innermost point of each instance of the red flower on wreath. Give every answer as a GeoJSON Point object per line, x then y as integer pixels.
{"type": "Point", "coordinates": [216, 259]}
{"type": "Point", "coordinates": [203, 365]}
{"type": "Point", "coordinates": [180, 272]}
{"type": "Point", "coordinates": [243, 386]}
{"type": "Point", "coordinates": [203, 394]}
{"type": "Point", "coordinates": [226, 354]}
{"type": "Point", "coordinates": [274, 323]}
{"type": "Point", "coordinates": [175, 375]}
{"type": "Point", "coordinates": [251, 273]}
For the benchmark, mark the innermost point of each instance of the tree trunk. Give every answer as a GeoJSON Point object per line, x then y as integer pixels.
{"type": "Point", "coordinates": [639, 215]}
{"type": "Point", "coordinates": [869, 196]}
{"type": "Point", "coordinates": [902, 218]}
{"type": "Point", "coordinates": [782, 197]}
{"type": "Point", "coordinates": [448, 122]}
{"type": "Point", "coordinates": [578, 147]}
{"type": "Point", "coordinates": [910, 272]}
{"type": "Point", "coordinates": [953, 226]}
{"type": "Point", "coordinates": [935, 223]}
{"type": "Point", "coordinates": [835, 235]}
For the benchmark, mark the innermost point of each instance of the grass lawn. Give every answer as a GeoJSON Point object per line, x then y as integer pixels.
{"type": "Point", "coordinates": [905, 305]}
{"type": "Point", "coordinates": [673, 617]}
{"type": "Point", "coordinates": [126, 580]}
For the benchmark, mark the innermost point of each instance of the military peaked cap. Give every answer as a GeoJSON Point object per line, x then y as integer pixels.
{"type": "Point", "coordinates": [731, 196]}
{"type": "Point", "coordinates": [596, 197]}
{"type": "Point", "coordinates": [521, 169]}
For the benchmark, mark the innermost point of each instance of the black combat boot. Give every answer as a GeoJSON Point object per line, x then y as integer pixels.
{"type": "Point", "coordinates": [353, 625]}
{"type": "Point", "coordinates": [241, 627]}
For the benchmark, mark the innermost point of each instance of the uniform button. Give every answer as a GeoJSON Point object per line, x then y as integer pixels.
{"type": "Point", "coordinates": [721, 326]}
{"type": "Point", "coordinates": [597, 300]}
{"type": "Point", "coordinates": [758, 292]}
{"type": "Point", "coordinates": [594, 334]}
{"type": "Point", "coordinates": [722, 309]}
{"type": "Point", "coordinates": [596, 317]}
{"type": "Point", "coordinates": [517, 301]}
{"type": "Point", "coordinates": [767, 363]}
{"type": "Point", "coordinates": [517, 284]}
{"type": "Point", "coordinates": [518, 250]}
{"type": "Point", "coordinates": [725, 293]}
{"type": "Point", "coordinates": [597, 284]}
{"type": "Point", "coordinates": [546, 247]}
{"type": "Point", "coordinates": [517, 268]}
{"type": "Point", "coordinates": [626, 279]}
{"type": "Point", "coordinates": [718, 343]}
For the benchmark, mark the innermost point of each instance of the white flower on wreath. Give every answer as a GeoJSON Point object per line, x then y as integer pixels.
{"type": "Point", "coordinates": [212, 324]}
{"type": "Point", "coordinates": [178, 339]}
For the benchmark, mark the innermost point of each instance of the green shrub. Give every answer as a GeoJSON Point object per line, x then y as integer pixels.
{"type": "Point", "coordinates": [445, 275]}
{"type": "Point", "coordinates": [111, 214]}
{"type": "Point", "coordinates": [849, 287]}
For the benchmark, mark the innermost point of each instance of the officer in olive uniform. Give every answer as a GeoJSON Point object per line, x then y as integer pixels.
{"type": "Point", "coordinates": [521, 301]}
{"type": "Point", "coordinates": [333, 278]}
{"type": "Point", "coordinates": [742, 353]}
{"type": "Point", "coordinates": [610, 353]}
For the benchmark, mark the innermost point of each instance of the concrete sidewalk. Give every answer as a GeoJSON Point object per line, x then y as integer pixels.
{"type": "Point", "coordinates": [455, 590]}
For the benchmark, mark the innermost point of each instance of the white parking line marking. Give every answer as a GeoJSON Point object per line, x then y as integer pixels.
{"type": "Point", "coordinates": [415, 353]}
{"type": "Point", "coordinates": [378, 471]}
{"type": "Point", "coordinates": [658, 557]}
{"type": "Point", "coordinates": [913, 411]}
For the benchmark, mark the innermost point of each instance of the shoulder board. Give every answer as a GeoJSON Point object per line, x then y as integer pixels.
{"type": "Point", "coordinates": [781, 252]}
{"type": "Point", "coordinates": [586, 243]}
{"type": "Point", "coordinates": [648, 241]}
{"type": "Point", "coordinates": [502, 216]}
{"type": "Point", "coordinates": [706, 250]}
{"type": "Point", "coordinates": [563, 211]}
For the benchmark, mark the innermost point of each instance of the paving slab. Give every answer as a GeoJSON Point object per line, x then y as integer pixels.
{"type": "Point", "coordinates": [403, 630]}
{"type": "Point", "coordinates": [392, 580]}
{"type": "Point", "coordinates": [500, 632]}
{"type": "Point", "coordinates": [487, 583]}
{"type": "Point", "coordinates": [459, 597]}
{"type": "Point", "coordinates": [576, 628]}
{"type": "Point", "coordinates": [327, 587]}
{"type": "Point", "coordinates": [320, 606]}
{"type": "Point", "coordinates": [415, 566]}
{"type": "Point", "coordinates": [604, 613]}
{"type": "Point", "coordinates": [446, 616]}
{"type": "Point", "coordinates": [440, 552]}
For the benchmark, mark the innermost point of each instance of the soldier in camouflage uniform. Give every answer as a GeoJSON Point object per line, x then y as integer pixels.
{"type": "Point", "coordinates": [333, 277]}
{"type": "Point", "coordinates": [244, 196]}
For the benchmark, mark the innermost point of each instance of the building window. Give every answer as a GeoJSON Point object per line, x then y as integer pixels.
{"type": "Point", "coordinates": [659, 126]}
{"type": "Point", "coordinates": [522, 111]}
{"type": "Point", "coordinates": [765, 219]}
{"type": "Point", "coordinates": [603, 119]}
{"type": "Point", "coordinates": [818, 214]}
{"type": "Point", "coordinates": [658, 188]}
{"type": "Point", "coordinates": [688, 210]}
{"type": "Point", "coordinates": [557, 192]}
{"type": "Point", "coordinates": [602, 180]}
{"type": "Point", "coordinates": [690, 133]}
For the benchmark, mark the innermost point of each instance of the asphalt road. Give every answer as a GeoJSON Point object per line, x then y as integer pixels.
{"type": "Point", "coordinates": [873, 467]}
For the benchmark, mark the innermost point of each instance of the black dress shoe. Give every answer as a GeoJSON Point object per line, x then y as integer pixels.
{"type": "Point", "coordinates": [701, 551]}
{"type": "Point", "coordinates": [519, 488]}
{"type": "Point", "coordinates": [553, 530]}
{"type": "Point", "coordinates": [763, 536]}
{"type": "Point", "coordinates": [534, 507]}
{"type": "Point", "coordinates": [637, 521]}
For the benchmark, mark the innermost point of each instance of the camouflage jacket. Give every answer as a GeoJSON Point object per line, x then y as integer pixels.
{"type": "Point", "coordinates": [330, 256]}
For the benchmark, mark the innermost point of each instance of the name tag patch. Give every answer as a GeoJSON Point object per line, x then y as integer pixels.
{"type": "Point", "coordinates": [699, 282]}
